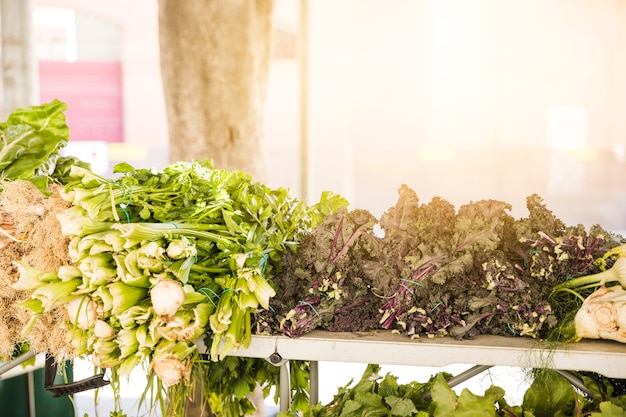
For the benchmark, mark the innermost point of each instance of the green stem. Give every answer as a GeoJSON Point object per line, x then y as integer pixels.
{"type": "Point", "coordinates": [598, 278]}
{"type": "Point", "coordinates": [213, 270]}
{"type": "Point", "coordinates": [580, 297]}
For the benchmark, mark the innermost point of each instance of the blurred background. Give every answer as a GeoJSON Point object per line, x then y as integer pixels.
{"type": "Point", "coordinates": [463, 100]}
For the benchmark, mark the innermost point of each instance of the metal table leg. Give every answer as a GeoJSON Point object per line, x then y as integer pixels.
{"type": "Point", "coordinates": [314, 378]}
{"type": "Point", "coordinates": [30, 380]}
{"type": "Point", "coordinates": [285, 387]}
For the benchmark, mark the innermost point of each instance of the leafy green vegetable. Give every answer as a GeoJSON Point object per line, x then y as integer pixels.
{"type": "Point", "coordinates": [445, 402]}
{"type": "Point", "coordinates": [608, 409]}
{"type": "Point", "coordinates": [550, 395]}
{"type": "Point", "coordinates": [332, 288]}
{"type": "Point", "coordinates": [373, 395]}
{"type": "Point", "coordinates": [153, 285]}
{"type": "Point", "coordinates": [30, 139]}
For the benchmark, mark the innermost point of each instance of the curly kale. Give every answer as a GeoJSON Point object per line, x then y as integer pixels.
{"type": "Point", "coordinates": [441, 265]}
{"type": "Point", "coordinates": [434, 271]}
{"type": "Point", "coordinates": [479, 270]}
{"type": "Point", "coordinates": [330, 290]}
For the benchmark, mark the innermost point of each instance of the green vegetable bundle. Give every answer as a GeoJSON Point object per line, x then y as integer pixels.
{"type": "Point", "coordinates": [162, 259]}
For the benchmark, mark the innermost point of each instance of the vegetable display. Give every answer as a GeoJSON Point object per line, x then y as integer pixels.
{"type": "Point", "coordinates": [437, 271]}
{"type": "Point", "coordinates": [155, 263]}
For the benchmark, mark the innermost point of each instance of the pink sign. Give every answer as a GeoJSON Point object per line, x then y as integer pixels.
{"type": "Point", "coordinates": [93, 93]}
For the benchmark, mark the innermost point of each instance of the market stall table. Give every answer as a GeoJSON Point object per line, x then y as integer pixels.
{"type": "Point", "coordinates": [384, 347]}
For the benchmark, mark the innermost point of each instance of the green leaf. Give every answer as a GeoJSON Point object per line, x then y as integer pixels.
{"type": "Point", "coordinates": [30, 136]}
{"type": "Point", "coordinates": [400, 406]}
{"type": "Point", "coordinates": [607, 409]}
{"type": "Point", "coordinates": [446, 403]}
{"type": "Point", "coordinates": [388, 386]}
{"type": "Point", "coordinates": [300, 401]}
{"type": "Point", "coordinates": [470, 405]}
{"type": "Point", "coordinates": [350, 407]}
{"type": "Point", "coordinates": [549, 395]}
{"type": "Point", "coordinates": [241, 387]}
{"type": "Point", "coordinates": [123, 167]}
{"type": "Point", "coordinates": [443, 398]}
{"type": "Point", "coordinates": [370, 400]}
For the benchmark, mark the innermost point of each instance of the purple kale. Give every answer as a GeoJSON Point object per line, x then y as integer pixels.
{"type": "Point", "coordinates": [324, 285]}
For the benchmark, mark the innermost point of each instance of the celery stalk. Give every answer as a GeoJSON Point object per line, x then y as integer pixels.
{"type": "Point", "coordinates": [56, 294]}
{"type": "Point", "coordinates": [125, 296]}
{"type": "Point", "coordinates": [31, 278]}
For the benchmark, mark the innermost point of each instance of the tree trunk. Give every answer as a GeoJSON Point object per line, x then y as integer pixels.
{"type": "Point", "coordinates": [214, 62]}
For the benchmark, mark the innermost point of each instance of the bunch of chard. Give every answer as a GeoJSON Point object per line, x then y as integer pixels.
{"type": "Point", "coordinates": [30, 140]}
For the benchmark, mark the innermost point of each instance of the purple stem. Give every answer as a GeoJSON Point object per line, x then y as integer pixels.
{"type": "Point", "coordinates": [335, 239]}
{"type": "Point", "coordinates": [470, 240]}
{"type": "Point", "coordinates": [346, 246]}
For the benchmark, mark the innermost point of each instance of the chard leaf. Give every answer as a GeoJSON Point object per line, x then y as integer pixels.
{"type": "Point", "coordinates": [371, 400]}
{"type": "Point", "coordinates": [470, 405]}
{"type": "Point", "coordinates": [549, 395]}
{"type": "Point", "coordinates": [368, 411]}
{"type": "Point", "coordinates": [443, 398]}
{"type": "Point", "coordinates": [41, 182]}
{"type": "Point", "coordinates": [59, 167]}
{"type": "Point", "coordinates": [29, 137]}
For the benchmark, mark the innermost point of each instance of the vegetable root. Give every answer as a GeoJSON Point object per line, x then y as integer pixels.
{"type": "Point", "coordinates": [603, 315]}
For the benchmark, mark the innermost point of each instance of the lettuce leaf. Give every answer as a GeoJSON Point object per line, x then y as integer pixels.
{"type": "Point", "coordinates": [446, 403]}
{"type": "Point", "coordinates": [608, 409]}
